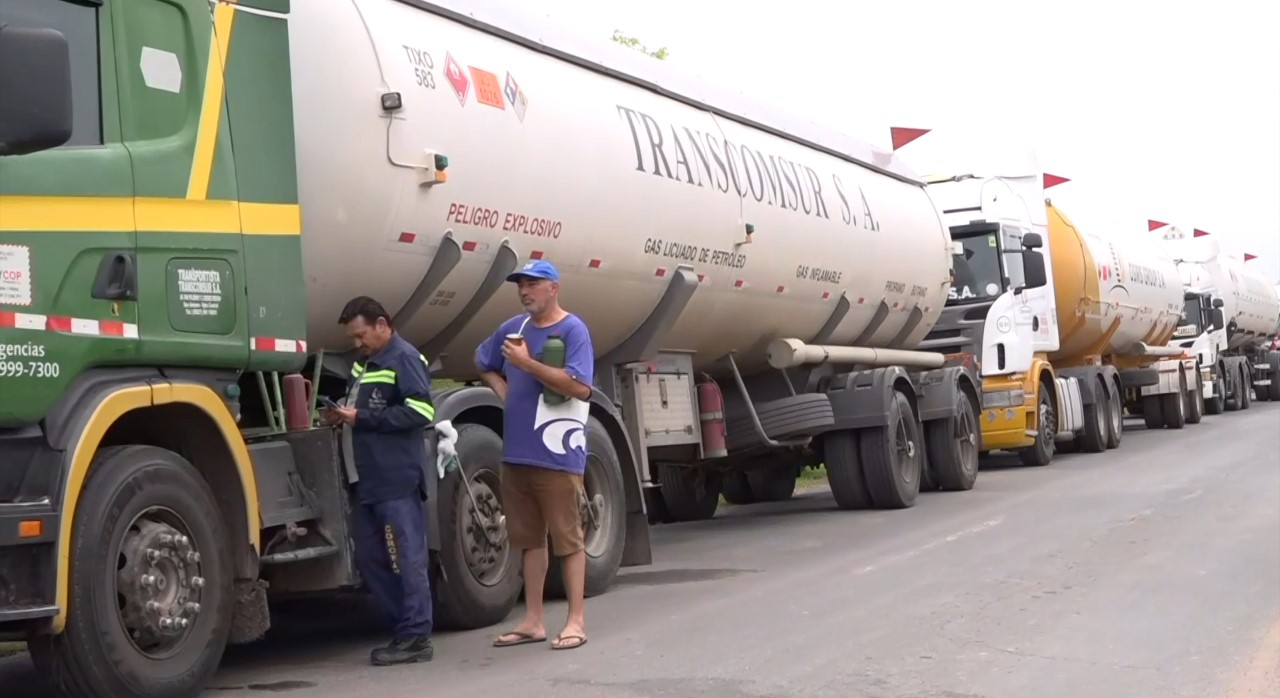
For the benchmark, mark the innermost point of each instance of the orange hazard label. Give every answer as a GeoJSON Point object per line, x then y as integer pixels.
{"type": "Point", "coordinates": [488, 89]}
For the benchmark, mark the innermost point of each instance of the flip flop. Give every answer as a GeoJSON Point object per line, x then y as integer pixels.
{"type": "Point", "coordinates": [569, 645]}
{"type": "Point", "coordinates": [522, 638]}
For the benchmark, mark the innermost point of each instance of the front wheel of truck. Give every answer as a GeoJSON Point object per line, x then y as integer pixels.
{"type": "Point", "coordinates": [149, 585]}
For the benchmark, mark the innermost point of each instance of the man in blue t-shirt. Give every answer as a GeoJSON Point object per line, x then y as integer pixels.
{"type": "Point", "coordinates": [544, 445]}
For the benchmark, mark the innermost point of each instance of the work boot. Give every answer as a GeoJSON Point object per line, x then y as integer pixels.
{"type": "Point", "coordinates": [403, 650]}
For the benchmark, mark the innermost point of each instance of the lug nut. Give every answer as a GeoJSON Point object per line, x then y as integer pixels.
{"type": "Point", "coordinates": [153, 555]}
{"type": "Point", "coordinates": [148, 580]}
{"type": "Point", "coordinates": [193, 558]}
{"type": "Point", "coordinates": [193, 607]}
{"type": "Point", "coordinates": [153, 606]}
{"type": "Point", "coordinates": [166, 623]}
{"type": "Point", "coordinates": [197, 582]}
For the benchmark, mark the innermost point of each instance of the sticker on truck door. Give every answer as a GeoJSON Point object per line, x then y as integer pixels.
{"type": "Point", "coordinates": [15, 275]}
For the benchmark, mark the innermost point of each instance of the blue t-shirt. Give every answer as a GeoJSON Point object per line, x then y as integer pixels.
{"type": "Point", "coordinates": [536, 433]}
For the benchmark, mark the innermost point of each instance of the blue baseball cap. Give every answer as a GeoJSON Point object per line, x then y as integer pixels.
{"type": "Point", "coordinates": [536, 269]}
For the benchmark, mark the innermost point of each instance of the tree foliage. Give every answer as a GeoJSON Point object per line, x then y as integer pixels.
{"type": "Point", "coordinates": [635, 43]}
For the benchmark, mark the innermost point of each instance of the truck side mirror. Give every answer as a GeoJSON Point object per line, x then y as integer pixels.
{"type": "Point", "coordinates": [1218, 303]}
{"type": "Point", "coordinates": [1217, 317]}
{"type": "Point", "coordinates": [1032, 241]}
{"type": "Point", "coordinates": [1033, 268]}
{"type": "Point", "coordinates": [35, 90]}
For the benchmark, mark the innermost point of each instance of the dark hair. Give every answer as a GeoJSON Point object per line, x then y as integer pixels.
{"type": "Point", "coordinates": [365, 307]}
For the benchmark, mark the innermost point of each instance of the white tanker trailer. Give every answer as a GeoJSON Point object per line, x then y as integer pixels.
{"type": "Point", "coordinates": [754, 286]}
{"type": "Point", "coordinates": [1231, 315]}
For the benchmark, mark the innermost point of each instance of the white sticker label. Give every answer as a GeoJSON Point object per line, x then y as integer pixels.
{"type": "Point", "coordinates": [15, 275]}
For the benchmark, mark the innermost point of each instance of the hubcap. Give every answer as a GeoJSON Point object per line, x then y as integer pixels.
{"type": "Point", "coordinates": [158, 582]}
{"type": "Point", "coordinates": [486, 561]}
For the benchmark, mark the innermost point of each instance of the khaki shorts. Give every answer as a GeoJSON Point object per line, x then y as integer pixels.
{"type": "Point", "coordinates": [540, 500]}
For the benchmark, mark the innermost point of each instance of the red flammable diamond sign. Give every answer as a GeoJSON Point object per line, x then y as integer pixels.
{"type": "Point", "coordinates": [456, 78]}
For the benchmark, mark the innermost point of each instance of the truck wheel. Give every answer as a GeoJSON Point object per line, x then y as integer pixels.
{"type": "Point", "coordinates": [150, 587]}
{"type": "Point", "coordinates": [1097, 422]}
{"type": "Point", "coordinates": [480, 581]}
{"type": "Point", "coordinates": [1041, 452]}
{"type": "Point", "coordinates": [1195, 400]}
{"type": "Point", "coordinates": [1116, 414]}
{"type": "Point", "coordinates": [844, 469]}
{"type": "Point", "coordinates": [1216, 404]}
{"type": "Point", "coordinates": [1273, 360]}
{"type": "Point", "coordinates": [772, 484]}
{"type": "Point", "coordinates": [1152, 412]}
{"type": "Point", "coordinates": [893, 456]}
{"type": "Point", "coordinates": [1174, 405]}
{"type": "Point", "coordinates": [953, 446]}
{"type": "Point", "coordinates": [607, 536]}
{"type": "Point", "coordinates": [736, 489]}
{"type": "Point", "coordinates": [1246, 386]}
{"type": "Point", "coordinates": [690, 495]}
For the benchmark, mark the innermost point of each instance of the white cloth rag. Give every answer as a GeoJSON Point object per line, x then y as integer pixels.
{"type": "Point", "coordinates": [446, 453]}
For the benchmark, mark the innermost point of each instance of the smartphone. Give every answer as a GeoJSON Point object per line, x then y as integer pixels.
{"type": "Point", "coordinates": [327, 403]}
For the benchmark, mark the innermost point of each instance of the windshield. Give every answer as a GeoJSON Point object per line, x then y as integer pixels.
{"type": "Point", "coordinates": [1189, 325]}
{"type": "Point", "coordinates": [977, 272]}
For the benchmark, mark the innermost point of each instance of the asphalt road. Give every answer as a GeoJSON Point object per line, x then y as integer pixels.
{"type": "Point", "coordinates": [1149, 571]}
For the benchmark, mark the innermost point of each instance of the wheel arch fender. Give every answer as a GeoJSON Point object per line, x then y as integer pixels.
{"type": "Point", "coordinates": [108, 407]}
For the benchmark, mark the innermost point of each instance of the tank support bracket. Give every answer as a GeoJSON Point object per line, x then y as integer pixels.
{"type": "Point", "coordinates": [442, 263]}
{"type": "Point", "coordinates": [504, 262]}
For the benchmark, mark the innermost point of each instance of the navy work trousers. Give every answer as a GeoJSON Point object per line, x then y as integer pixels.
{"type": "Point", "coordinates": [391, 554]}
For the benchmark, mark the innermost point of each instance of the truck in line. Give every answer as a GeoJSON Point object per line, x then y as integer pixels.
{"type": "Point", "coordinates": [1062, 362]}
{"type": "Point", "coordinates": [188, 198]}
{"type": "Point", "coordinates": [1230, 316]}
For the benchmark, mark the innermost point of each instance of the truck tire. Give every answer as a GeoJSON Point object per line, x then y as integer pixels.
{"type": "Point", "coordinates": [844, 469]}
{"type": "Point", "coordinates": [952, 445]}
{"type": "Point", "coordinates": [477, 588]}
{"type": "Point", "coordinates": [1195, 400]}
{"type": "Point", "coordinates": [1041, 452]}
{"type": "Point", "coordinates": [1246, 386]}
{"type": "Point", "coordinates": [606, 541]}
{"type": "Point", "coordinates": [1273, 390]}
{"type": "Point", "coordinates": [736, 489]}
{"type": "Point", "coordinates": [690, 495]}
{"type": "Point", "coordinates": [772, 484]}
{"type": "Point", "coordinates": [1097, 421]}
{"type": "Point", "coordinates": [795, 415]}
{"type": "Point", "coordinates": [1217, 403]}
{"type": "Point", "coordinates": [893, 456]}
{"type": "Point", "coordinates": [1115, 411]}
{"type": "Point", "coordinates": [1152, 411]}
{"type": "Point", "coordinates": [1174, 405]}
{"type": "Point", "coordinates": [147, 526]}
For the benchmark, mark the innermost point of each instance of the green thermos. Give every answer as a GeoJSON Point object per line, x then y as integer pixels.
{"type": "Point", "coordinates": [553, 355]}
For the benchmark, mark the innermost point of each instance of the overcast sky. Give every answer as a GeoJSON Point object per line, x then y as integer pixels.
{"type": "Point", "coordinates": [1165, 110]}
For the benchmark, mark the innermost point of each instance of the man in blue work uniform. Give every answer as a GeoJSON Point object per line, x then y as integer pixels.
{"type": "Point", "coordinates": [388, 408]}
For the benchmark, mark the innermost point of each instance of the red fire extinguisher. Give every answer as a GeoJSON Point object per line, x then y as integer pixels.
{"type": "Point", "coordinates": [711, 414]}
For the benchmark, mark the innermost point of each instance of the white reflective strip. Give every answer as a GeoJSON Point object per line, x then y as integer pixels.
{"type": "Point", "coordinates": [286, 345]}
{"type": "Point", "coordinates": [26, 321]}
{"type": "Point", "coordinates": [131, 331]}
{"type": "Point", "coordinates": [79, 326]}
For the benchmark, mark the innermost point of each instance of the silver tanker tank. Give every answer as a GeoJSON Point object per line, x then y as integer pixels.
{"type": "Point", "coordinates": [615, 182]}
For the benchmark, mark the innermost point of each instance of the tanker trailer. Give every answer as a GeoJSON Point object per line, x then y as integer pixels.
{"type": "Point", "coordinates": [1119, 301]}
{"type": "Point", "coordinates": [1238, 354]}
{"type": "Point", "coordinates": [262, 166]}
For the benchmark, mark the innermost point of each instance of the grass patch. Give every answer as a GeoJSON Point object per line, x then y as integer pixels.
{"type": "Point", "coordinates": [8, 648]}
{"type": "Point", "coordinates": [812, 477]}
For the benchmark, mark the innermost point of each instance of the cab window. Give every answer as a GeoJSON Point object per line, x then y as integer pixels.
{"type": "Point", "coordinates": [78, 21]}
